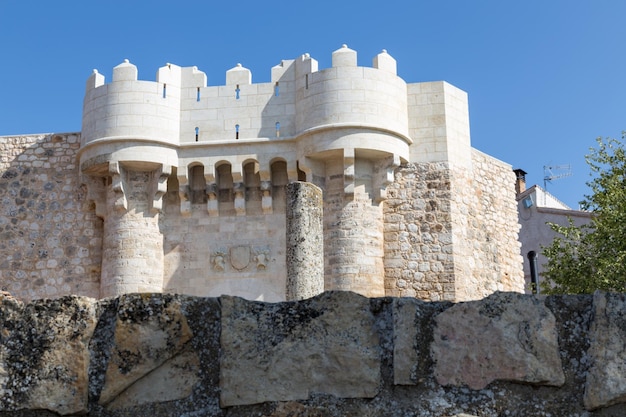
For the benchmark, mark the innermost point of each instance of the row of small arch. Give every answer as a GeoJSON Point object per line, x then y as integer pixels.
{"type": "Point", "coordinates": [277, 174]}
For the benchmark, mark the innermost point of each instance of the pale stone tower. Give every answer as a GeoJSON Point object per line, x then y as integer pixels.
{"type": "Point", "coordinates": [202, 189]}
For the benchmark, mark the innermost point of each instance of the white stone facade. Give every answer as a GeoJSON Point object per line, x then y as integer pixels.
{"type": "Point", "coordinates": [197, 186]}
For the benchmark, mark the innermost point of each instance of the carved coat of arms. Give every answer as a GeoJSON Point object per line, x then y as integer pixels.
{"type": "Point", "coordinates": [240, 257]}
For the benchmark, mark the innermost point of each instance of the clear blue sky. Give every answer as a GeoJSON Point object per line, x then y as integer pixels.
{"type": "Point", "coordinates": [544, 77]}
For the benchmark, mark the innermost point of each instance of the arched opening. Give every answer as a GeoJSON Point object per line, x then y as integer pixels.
{"type": "Point", "coordinates": [197, 185]}
{"type": "Point", "coordinates": [279, 180]}
{"type": "Point", "coordinates": [252, 182]}
{"type": "Point", "coordinates": [225, 193]}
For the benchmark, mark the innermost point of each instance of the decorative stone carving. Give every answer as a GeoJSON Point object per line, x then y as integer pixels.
{"type": "Point", "coordinates": [160, 177]}
{"type": "Point", "coordinates": [266, 199]}
{"type": "Point", "coordinates": [261, 261]}
{"type": "Point", "coordinates": [240, 257]}
{"type": "Point", "coordinates": [212, 203]}
{"type": "Point", "coordinates": [219, 261]}
{"type": "Point", "coordinates": [240, 199]}
{"type": "Point", "coordinates": [117, 186]}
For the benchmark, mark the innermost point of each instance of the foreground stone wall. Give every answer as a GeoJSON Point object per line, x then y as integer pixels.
{"type": "Point", "coordinates": [336, 354]}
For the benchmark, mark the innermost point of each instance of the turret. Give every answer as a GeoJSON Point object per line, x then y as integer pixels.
{"type": "Point", "coordinates": [130, 109]}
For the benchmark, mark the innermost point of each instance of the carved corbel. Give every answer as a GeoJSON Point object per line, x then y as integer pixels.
{"type": "Point", "coordinates": [266, 198]}
{"type": "Point", "coordinates": [117, 186]}
{"type": "Point", "coordinates": [96, 192]}
{"type": "Point", "coordinates": [240, 198]}
{"type": "Point", "coordinates": [384, 172]}
{"type": "Point", "coordinates": [212, 203]}
{"type": "Point", "coordinates": [183, 192]}
{"type": "Point", "coordinates": [159, 187]}
{"type": "Point", "coordinates": [348, 171]}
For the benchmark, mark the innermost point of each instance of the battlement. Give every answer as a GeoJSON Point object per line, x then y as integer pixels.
{"type": "Point", "coordinates": [179, 107]}
{"type": "Point", "coordinates": [303, 114]}
{"type": "Point", "coordinates": [192, 77]}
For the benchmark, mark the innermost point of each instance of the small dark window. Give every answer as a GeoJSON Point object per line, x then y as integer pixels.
{"type": "Point", "coordinates": [534, 273]}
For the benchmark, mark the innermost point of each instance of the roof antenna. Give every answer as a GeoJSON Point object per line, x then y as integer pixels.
{"type": "Point", "coordinates": [549, 173]}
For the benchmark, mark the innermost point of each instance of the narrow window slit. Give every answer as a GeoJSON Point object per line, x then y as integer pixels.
{"type": "Point", "coordinates": [276, 91]}
{"type": "Point", "coordinates": [198, 94]}
{"type": "Point", "coordinates": [197, 133]}
{"type": "Point", "coordinates": [277, 129]}
{"type": "Point", "coordinates": [236, 131]}
{"type": "Point", "coordinates": [306, 81]}
{"type": "Point", "coordinates": [164, 90]}
{"type": "Point", "coordinates": [237, 92]}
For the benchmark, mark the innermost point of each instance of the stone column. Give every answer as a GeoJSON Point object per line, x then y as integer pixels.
{"type": "Point", "coordinates": [132, 256]}
{"type": "Point", "coordinates": [353, 232]}
{"type": "Point", "coordinates": [305, 241]}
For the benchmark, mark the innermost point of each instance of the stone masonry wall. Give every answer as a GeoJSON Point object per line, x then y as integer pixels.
{"type": "Point", "coordinates": [486, 229]}
{"type": "Point", "coordinates": [336, 354]}
{"type": "Point", "coordinates": [212, 255]}
{"type": "Point", "coordinates": [451, 234]}
{"type": "Point", "coordinates": [50, 237]}
{"type": "Point", "coordinates": [419, 256]}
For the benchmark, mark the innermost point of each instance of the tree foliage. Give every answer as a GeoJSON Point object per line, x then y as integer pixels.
{"type": "Point", "coordinates": [593, 256]}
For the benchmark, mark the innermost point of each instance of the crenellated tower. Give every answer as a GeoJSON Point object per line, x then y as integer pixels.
{"type": "Point", "coordinates": [275, 190]}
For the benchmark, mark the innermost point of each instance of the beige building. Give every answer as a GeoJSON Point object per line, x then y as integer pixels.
{"type": "Point", "coordinates": [344, 178]}
{"type": "Point", "coordinates": [537, 208]}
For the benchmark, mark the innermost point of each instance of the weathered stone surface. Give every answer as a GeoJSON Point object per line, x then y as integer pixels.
{"type": "Point", "coordinates": [412, 335]}
{"type": "Point", "coordinates": [506, 336]}
{"type": "Point", "coordinates": [149, 331]}
{"type": "Point", "coordinates": [404, 338]}
{"type": "Point", "coordinates": [448, 233]}
{"type": "Point", "coordinates": [287, 351]}
{"type": "Point", "coordinates": [317, 347]}
{"type": "Point", "coordinates": [173, 380]}
{"type": "Point", "coordinates": [44, 354]}
{"type": "Point", "coordinates": [305, 241]}
{"type": "Point", "coordinates": [606, 379]}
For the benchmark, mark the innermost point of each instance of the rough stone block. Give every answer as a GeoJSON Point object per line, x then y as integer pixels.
{"type": "Point", "coordinates": [44, 355]}
{"type": "Point", "coordinates": [287, 351]}
{"type": "Point", "coordinates": [149, 331]}
{"type": "Point", "coordinates": [606, 379]}
{"type": "Point", "coordinates": [404, 339]}
{"type": "Point", "coordinates": [506, 336]}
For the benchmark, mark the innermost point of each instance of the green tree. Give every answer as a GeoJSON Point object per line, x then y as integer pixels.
{"type": "Point", "coordinates": [593, 256]}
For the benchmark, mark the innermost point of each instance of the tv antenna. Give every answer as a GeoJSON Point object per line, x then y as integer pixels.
{"type": "Point", "coordinates": [555, 172]}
